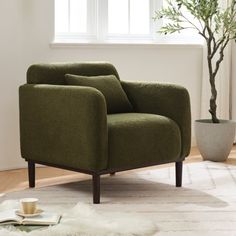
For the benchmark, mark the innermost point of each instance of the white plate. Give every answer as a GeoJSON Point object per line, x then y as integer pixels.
{"type": "Point", "coordinates": [20, 213]}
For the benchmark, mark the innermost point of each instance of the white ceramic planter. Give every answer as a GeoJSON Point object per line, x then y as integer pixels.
{"type": "Point", "coordinates": [215, 141]}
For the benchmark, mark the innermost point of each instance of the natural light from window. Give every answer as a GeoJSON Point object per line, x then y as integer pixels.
{"type": "Point", "coordinates": [102, 21]}
{"type": "Point", "coordinates": [61, 16]}
{"type": "Point", "coordinates": [129, 17]}
{"type": "Point", "coordinates": [78, 16]}
{"type": "Point", "coordinates": [140, 16]}
{"type": "Point", "coordinates": [118, 16]}
{"type": "Point", "coordinates": [71, 16]}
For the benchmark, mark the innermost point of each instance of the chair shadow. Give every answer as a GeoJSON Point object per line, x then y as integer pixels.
{"type": "Point", "coordinates": [119, 189]}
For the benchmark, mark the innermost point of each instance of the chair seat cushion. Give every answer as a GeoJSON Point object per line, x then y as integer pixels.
{"type": "Point", "coordinates": [116, 98]}
{"type": "Point", "coordinates": [139, 139]}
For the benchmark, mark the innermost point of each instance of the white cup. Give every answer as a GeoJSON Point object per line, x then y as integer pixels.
{"type": "Point", "coordinates": [29, 205]}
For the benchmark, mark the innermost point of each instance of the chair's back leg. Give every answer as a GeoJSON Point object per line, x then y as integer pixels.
{"type": "Point", "coordinates": [178, 173]}
{"type": "Point", "coordinates": [31, 173]}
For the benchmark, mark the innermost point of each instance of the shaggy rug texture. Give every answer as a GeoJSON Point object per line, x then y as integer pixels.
{"type": "Point", "coordinates": [82, 220]}
{"type": "Point", "coordinates": [205, 205]}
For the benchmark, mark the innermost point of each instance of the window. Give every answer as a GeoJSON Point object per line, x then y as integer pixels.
{"type": "Point", "coordinates": [104, 20]}
{"type": "Point", "coordinates": [129, 17]}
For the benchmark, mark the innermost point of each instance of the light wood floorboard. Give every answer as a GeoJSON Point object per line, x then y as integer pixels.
{"type": "Point", "coordinates": [15, 180]}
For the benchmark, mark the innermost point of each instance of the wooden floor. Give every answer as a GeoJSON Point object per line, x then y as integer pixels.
{"type": "Point", "coordinates": [14, 180]}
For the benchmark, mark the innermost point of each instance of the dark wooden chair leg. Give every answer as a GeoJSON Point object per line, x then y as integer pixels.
{"type": "Point", "coordinates": [178, 173]}
{"type": "Point", "coordinates": [96, 189]}
{"type": "Point", "coordinates": [112, 173]}
{"type": "Point", "coordinates": [31, 174]}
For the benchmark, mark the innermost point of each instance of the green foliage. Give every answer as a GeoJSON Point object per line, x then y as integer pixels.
{"type": "Point", "coordinates": [207, 12]}
{"type": "Point", "coordinates": [217, 25]}
{"type": "Point", "coordinates": [171, 28]}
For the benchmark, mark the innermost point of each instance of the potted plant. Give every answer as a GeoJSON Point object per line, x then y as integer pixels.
{"type": "Point", "coordinates": [217, 26]}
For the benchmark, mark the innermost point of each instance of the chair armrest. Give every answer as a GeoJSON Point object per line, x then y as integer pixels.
{"type": "Point", "coordinates": [64, 125]}
{"type": "Point", "coordinates": [167, 100]}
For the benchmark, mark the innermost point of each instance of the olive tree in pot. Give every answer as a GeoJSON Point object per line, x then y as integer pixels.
{"type": "Point", "coordinates": [217, 26]}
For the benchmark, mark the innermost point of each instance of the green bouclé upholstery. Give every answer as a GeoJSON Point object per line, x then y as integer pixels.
{"type": "Point", "coordinates": [68, 125]}
{"type": "Point", "coordinates": [137, 139]}
{"type": "Point", "coordinates": [167, 100]}
{"type": "Point", "coordinates": [109, 85]}
{"type": "Point", "coordinates": [64, 125]}
{"type": "Point", "coordinates": [55, 73]}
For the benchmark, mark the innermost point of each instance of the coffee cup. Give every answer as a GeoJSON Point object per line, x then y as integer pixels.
{"type": "Point", "coordinates": [28, 205]}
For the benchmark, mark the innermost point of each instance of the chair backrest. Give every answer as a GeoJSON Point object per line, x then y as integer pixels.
{"type": "Point", "coordinates": [55, 73]}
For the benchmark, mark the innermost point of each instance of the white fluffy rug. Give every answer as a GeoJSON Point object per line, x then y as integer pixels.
{"type": "Point", "coordinates": [82, 220]}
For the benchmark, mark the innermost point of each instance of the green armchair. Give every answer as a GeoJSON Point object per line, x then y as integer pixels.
{"type": "Point", "coordinates": [74, 127]}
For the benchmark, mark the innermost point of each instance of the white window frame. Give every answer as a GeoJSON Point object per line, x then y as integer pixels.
{"type": "Point", "coordinates": [98, 26]}
{"type": "Point", "coordinates": [91, 26]}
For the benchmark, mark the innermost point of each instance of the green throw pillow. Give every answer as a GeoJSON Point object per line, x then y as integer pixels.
{"type": "Point", "coordinates": [109, 86]}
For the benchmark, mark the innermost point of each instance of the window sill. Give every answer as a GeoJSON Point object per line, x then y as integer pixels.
{"type": "Point", "coordinates": [127, 44]}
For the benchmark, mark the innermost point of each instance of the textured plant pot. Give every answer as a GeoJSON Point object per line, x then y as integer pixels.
{"type": "Point", "coordinates": [215, 141]}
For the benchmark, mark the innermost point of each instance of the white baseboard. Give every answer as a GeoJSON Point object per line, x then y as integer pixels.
{"type": "Point", "coordinates": [21, 166]}
{"type": "Point", "coordinates": [193, 142]}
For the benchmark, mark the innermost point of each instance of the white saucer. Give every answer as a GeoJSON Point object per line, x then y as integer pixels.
{"type": "Point", "coordinates": [20, 213]}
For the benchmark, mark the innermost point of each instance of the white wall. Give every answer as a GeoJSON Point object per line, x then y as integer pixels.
{"type": "Point", "coordinates": [11, 76]}
{"type": "Point", "coordinates": [176, 64]}
{"type": "Point", "coordinates": [233, 89]}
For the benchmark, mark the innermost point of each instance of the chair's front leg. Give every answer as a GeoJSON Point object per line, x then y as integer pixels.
{"type": "Point", "coordinates": [31, 173]}
{"type": "Point", "coordinates": [178, 173]}
{"type": "Point", "coordinates": [96, 188]}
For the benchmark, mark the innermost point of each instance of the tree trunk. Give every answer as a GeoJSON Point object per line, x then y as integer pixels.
{"type": "Point", "coordinates": [213, 105]}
